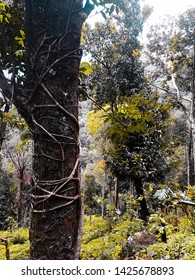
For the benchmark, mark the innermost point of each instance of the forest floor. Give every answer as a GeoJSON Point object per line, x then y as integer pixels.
{"type": "Point", "coordinates": [105, 238]}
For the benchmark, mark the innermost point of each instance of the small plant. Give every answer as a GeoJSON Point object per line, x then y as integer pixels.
{"type": "Point", "coordinates": [18, 239]}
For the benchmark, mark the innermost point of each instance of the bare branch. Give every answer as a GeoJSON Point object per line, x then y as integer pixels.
{"type": "Point", "coordinates": [190, 203]}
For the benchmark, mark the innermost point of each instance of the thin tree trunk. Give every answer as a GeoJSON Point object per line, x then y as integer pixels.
{"type": "Point", "coordinates": [116, 192]}
{"type": "Point", "coordinates": [187, 163]}
{"type": "Point", "coordinates": [103, 197]}
{"type": "Point", "coordinates": [19, 206]}
{"type": "Point", "coordinates": [190, 115]}
{"type": "Point", "coordinates": [193, 117]}
{"type": "Point", "coordinates": [5, 242]}
{"type": "Point", "coordinates": [191, 158]}
{"type": "Point", "coordinates": [143, 211]}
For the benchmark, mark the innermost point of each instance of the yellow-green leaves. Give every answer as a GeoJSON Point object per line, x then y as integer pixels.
{"type": "Point", "coordinates": [136, 53]}
{"type": "Point", "coordinates": [174, 46]}
{"type": "Point", "coordinates": [4, 14]}
{"type": "Point", "coordinates": [95, 123]}
{"type": "Point", "coordinates": [2, 7]}
{"type": "Point", "coordinates": [135, 114]}
{"type": "Point", "coordinates": [85, 69]}
{"type": "Point", "coordinates": [21, 39]}
{"type": "Point", "coordinates": [190, 191]}
{"type": "Point", "coordinates": [12, 36]}
{"type": "Point", "coordinates": [14, 120]}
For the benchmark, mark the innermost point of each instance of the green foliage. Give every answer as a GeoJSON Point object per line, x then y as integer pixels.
{"type": "Point", "coordinates": [18, 244]}
{"type": "Point", "coordinates": [92, 195]}
{"type": "Point", "coordinates": [99, 243]}
{"type": "Point", "coordinates": [139, 142]}
{"type": "Point", "coordinates": [19, 237]}
{"type": "Point", "coordinates": [14, 120]}
{"type": "Point", "coordinates": [12, 38]}
{"type": "Point", "coordinates": [158, 225]}
{"type": "Point", "coordinates": [116, 6]}
{"type": "Point", "coordinates": [179, 246]}
{"type": "Point", "coordinates": [85, 69]}
{"type": "Point", "coordinates": [180, 238]}
{"type": "Point", "coordinates": [170, 53]}
{"type": "Point", "coordinates": [7, 199]}
{"type": "Point", "coordinates": [84, 72]}
{"type": "Point", "coordinates": [17, 151]}
{"type": "Point", "coordinates": [112, 47]}
{"type": "Point", "coordinates": [140, 113]}
{"type": "Point", "coordinates": [132, 127]}
{"type": "Point", "coordinates": [95, 227]}
{"type": "Point", "coordinates": [95, 123]}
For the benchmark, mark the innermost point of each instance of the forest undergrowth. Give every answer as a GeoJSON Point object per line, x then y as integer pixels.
{"type": "Point", "coordinates": [103, 239]}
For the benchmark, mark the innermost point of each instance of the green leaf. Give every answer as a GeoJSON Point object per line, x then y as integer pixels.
{"type": "Point", "coordinates": [22, 33]}
{"type": "Point", "coordinates": [111, 10]}
{"type": "Point", "coordinates": [86, 68]}
{"type": "Point", "coordinates": [117, 9]}
{"type": "Point", "coordinates": [103, 14]}
{"type": "Point", "coordinates": [95, 2]}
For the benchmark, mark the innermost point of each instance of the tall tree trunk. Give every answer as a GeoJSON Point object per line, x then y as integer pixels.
{"type": "Point", "coordinates": [103, 198]}
{"type": "Point", "coordinates": [19, 206]}
{"type": "Point", "coordinates": [193, 118]}
{"type": "Point", "coordinates": [116, 192]}
{"type": "Point", "coordinates": [49, 104]}
{"type": "Point", "coordinates": [143, 211]}
{"type": "Point", "coordinates": [187, 162]}
{"type": "Point", "coordinates": [191, 157]}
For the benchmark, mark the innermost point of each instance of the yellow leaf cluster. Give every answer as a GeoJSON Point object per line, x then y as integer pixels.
{"type": "Point", "coordinates": [10, 167]}
{"type": "Point", "coordinates": [21, 38]}
{"type": "Point", "coordinates": [2, 7]}
{"type": "Point", "coordinates": [101, 165]}
{"type": "Point", "coordinates": [136, 53]}
{"type": "Point", "coordinates": [4, 16]}
{"type": "Point", "coordinates": [95, 123]}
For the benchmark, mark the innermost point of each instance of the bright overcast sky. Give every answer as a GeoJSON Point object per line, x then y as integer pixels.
{"type": "Point", "coordinates": [166, 7]}
{"type": "Point", "coordinates": [172, 7]}
{"type": "Point", "coordinates": [160, 8]}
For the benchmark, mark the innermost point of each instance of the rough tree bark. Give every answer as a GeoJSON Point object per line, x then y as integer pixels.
{"type": "Point", "coordinates": [51, 99]}
{"type": "Point", "coordinates": [49, 103]}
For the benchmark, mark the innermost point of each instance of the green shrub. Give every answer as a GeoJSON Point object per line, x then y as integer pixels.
{"type": "Point", "coordinates": [94, 227]}
{"type": "Point", "coordinates": [19, 236]}
{"type": "Point", "coordinates": [20, 251]}
{"type": "Point", "coordinates": [178, 247]}
{"type": "Point", "coordinates": [100, 243]}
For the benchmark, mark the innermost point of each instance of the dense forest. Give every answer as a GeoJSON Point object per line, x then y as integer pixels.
{"type": "Point", "coordinates": [97, 132]}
